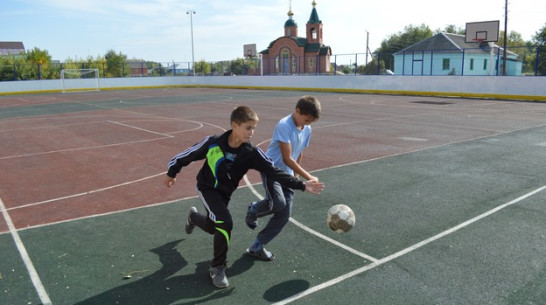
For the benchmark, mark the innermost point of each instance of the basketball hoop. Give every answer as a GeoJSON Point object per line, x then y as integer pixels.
{"type": "Point", "coordinates": [485, 31]}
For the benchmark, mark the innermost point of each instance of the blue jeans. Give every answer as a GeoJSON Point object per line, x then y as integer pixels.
{"type": "Point", "coordinates": [278, 201]}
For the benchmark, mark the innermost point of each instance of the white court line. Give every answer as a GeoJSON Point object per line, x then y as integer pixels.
{"type": "Point", "coordinates": [81, 148]}
{"type": "Point", "coordinates": [35, 278]}
{"type": "Point", "coordinates": [306, 228]}
{"type": "Point", "coordinates": [406, 250]}
{"type": "Point", "coordinates": [86, 193]}
{"type": "Point", "coordinates": [141, 129]}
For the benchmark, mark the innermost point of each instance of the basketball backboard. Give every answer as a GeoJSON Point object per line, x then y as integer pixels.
{"type": "Point", "coordinates": [482, 31]}
{"type": "Point", "coordinates": [249, 50]}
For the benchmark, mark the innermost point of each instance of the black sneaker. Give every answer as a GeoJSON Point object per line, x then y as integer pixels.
{"type": "Point", "coordinates": [218, 276]}
{"type": "Point", "coordinates": [190, 225]}
{"type": "Point", "coordinates": [251, 219]}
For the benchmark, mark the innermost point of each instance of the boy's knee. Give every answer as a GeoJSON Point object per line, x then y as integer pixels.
{"type": "Point", "coordinates": [278, 205]}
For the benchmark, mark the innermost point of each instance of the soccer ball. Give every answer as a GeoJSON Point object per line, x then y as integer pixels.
{"type": "Point", "coordinates": [340, 218]}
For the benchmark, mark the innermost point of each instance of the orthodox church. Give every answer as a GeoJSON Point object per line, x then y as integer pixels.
{"type": "Point", "coordinates": [291, 54]}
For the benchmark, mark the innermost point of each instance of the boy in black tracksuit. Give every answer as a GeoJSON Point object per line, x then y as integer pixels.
{"type": "Point", "coordinates": [228, 158]}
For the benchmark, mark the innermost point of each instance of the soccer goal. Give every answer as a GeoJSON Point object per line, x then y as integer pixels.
{"type": "Point", "coordinates": [78, 80]}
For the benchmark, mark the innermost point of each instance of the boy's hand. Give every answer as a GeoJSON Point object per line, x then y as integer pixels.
{"type": "Point", "coordinates": [313, 178]}
{"type": "Point", "coordinates": [313, 187]}
{"type": "Point", "coordinates": [169, 181]}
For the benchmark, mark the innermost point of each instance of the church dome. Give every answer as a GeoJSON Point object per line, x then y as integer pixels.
{"type": "Point", "coordinates": [290, 21]}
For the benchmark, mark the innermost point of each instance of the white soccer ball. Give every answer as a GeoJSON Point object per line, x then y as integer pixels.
{"type": "Point", "coordinates": [340, 218]}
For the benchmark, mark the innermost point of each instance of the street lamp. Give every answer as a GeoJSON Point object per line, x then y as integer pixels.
{"type": "Point", "coordinates": [191, 12]}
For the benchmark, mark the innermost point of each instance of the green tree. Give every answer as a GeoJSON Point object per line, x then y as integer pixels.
{"type": "Point", "coordinates": [116, 64]}
{"type": "Point", "coordinates": [236, 66]}
{"type": "Point", "coordinates": [371, 68]}
{"type": "Point", "coordinates": [514, 39]}
{"type": "Point", "coordinates": [202, 67]}
{"type": "Point", "coordinates": [39, 64]}
{"type": "Point", "coordinates": [7, 68]}
{"type": "Point", "coordinates": [401, 40]}
{"type": "Point", "coordinates": [452, 29]}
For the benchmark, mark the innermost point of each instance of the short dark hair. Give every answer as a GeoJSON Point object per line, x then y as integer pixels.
{"type": "Point", "coordinates": [309, 105]}
{"type": "Point", "coordinates": [243, 114]}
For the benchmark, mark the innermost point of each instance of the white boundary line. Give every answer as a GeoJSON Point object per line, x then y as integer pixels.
{"type": "Point", "coordinates": [40, 289]}
{"type": "Point", "coordinates": [406, 250]}
{"type": "Point", "coordinates": [322, 236]}
{"type": "Point", "coordinates": [141, 129]}
{"type": "Point", "coordinates": [86, 193]}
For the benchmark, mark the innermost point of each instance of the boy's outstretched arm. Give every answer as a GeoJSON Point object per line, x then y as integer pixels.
{"type": "Point", "coordinates": [286, 152]}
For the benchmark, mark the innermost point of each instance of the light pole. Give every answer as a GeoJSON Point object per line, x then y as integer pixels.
{"type": "Point", "coordinates": [191, 12]}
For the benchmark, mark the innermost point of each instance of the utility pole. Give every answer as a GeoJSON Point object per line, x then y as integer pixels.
{"type": "Point", "coordinates": [505, 37]}
{"type": "Point", "coordinates": [367, 48]}
{"type": "Point", "coordinates": [191, 12]}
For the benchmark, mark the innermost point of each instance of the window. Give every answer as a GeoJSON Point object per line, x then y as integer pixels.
{"type": "Point", "coordinates": [313, 33]}
{"type": "Point", "coordinates": [294, 61]}
{"type": "Point", "coordinates": [445, 64]}
{"type": "Point", "coordinates": [472, 64]}
{"type": "Point", "coordinates": [285, 66]}
{"type": "Point", "coordinates": [485, 64]}
{"type": "Point", "coordinates": [311, 63]}
{"type": "Point", "coordinates": [277, 63]}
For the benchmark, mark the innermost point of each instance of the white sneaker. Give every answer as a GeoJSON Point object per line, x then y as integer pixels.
{"type": "Point", "coordinates": [218, 276]}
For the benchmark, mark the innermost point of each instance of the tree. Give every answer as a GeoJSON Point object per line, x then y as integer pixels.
{"type": "Point", "coordinates": [7, 68]}
{"type": "Point", "coordinates": [452, 29]}
{"type": "Point", "coordinates": [236, 66]}
{"type": "Point", "coordinates": [116, 64]}
{"type": "Point", "coordinates": [39, 64]}
{"type": "Point", "coordinates": [400, 41]}
{"type": "Point", "coordinates": [371, 68]}
{"type": "Point", "coordinates": [202, 67]}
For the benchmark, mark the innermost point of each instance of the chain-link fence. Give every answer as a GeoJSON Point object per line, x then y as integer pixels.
{"type": "Point", "coordinates": [523, 60]}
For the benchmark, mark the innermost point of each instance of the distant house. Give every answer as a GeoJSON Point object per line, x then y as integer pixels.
{"type": "Point", "coordinates": [176, 69]}
{"type": "Point", "coordinates": [449, 54]}
{"type": "Point", "coordinates": [137, 68]}
{"type": "Point", "coordinates": [11, 48]}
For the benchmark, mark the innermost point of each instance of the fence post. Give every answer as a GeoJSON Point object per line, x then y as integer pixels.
{"type": "Point", "coordinates": [356, 61]}
{"type": "Point", "coordinates": [462, 64]}
{"type": "Point", "coordinates": [335, 65]}
{"type": "Point", "coordinates": [537, 61]}
{"type": "Point", "coordinates": [378, 63]}
{"type": "Point", "coordinates": [431, 61]}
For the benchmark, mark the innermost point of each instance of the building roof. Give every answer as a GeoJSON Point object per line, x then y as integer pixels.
{"type": "Point", "coordinates": [11, 47]}
{"type": "Point", "coordinates": [314, 19]}
{"type": "Point", "coordinates": [449, 43]}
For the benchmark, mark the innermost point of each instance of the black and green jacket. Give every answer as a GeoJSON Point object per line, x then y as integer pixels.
{"type": "Point", "coordinates": [223, 175]}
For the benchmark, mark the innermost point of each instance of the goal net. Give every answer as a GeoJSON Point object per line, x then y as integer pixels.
{"type": "Point", "coordinates": [78, 80]}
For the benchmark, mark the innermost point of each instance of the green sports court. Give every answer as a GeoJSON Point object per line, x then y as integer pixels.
{"type": "Point", "coordinates": [448, 195]}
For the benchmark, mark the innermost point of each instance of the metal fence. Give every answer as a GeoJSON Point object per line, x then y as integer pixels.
{"type": "Point", "coordinates": [524, 60]}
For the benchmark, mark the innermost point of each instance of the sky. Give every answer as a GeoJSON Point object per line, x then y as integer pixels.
{"type": "Point", "coordinates": [160, 30]}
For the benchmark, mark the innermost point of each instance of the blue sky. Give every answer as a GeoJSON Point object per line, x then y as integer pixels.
{"type": "Point", "coordinates": [160, 30]}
